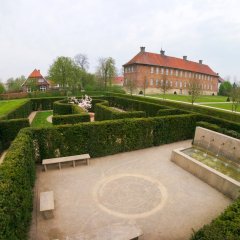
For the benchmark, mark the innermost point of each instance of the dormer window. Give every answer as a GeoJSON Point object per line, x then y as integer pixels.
{"type": "Point", "coordinates": [40, 80]}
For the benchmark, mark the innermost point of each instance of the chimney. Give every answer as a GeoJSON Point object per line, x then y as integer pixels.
{"type": "Point", "coordinates": [200, 61]}
{"type": "Point", "coordinates": [184, 57]}
{"type": "Point", "coordinates": [142, 49]}
{"type": "Point", "coordinates": [162, 52]}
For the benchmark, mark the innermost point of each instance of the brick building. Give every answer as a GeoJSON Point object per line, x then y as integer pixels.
{"type": "Point", "coordinates": [147, 71]}
{"type": "Point", "coordinates": [35, 82]}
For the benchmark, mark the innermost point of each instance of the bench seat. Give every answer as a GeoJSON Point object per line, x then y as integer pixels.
{"type": "Point", "coordinates": [47, 204]}
{"type": "Point", "coordinates": [60, 160]}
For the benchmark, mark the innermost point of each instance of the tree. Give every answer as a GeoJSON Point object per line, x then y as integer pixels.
{"type": "Point", "coordinates": [82, 61]}
{"type": "Point", "coordinates": [131, 86]}
{"type": "Point", "coordinates": [225, 88]}
{"type": "Point", "coordinates": [235, 95]}
{"type": "Point", "coordinates": [164, 85]}
{"type": "Point", "coordinates": [194, 89]}
{"type": "Point", "coordinates": [15, 85]}
{"type": "Point", "coordinates": [106, 71]}
{"type": "Point", "coordinates": [65, 72]}
{"type": "Point", "coordinates": [2, 88]}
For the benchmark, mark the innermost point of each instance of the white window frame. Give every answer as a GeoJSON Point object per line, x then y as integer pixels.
{"type": "Point", "coordinates": [152, 69]}
{"type": "Point", "coordinates": [42, 88]}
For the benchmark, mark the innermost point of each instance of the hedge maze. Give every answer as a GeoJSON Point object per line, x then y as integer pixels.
{"type": "Point", "coordinates": [123, 123]}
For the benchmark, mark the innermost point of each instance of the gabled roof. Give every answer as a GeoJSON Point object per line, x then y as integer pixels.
{"type": "Point", "coordinates": [118, 80]}
{"type": "Point", "coordinates": [162, 60]}
{"type": "Point", "coordinates": [35, 74]}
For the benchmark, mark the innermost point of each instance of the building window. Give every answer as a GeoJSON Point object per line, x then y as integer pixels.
{"type": "Point", "coordinates": [185, 74]}
{"type": "Point", "coordinates": [180, 84]}
{"type": "Point", "coordinates": [157, 82]}
{"type": "Point", "coordinates": [166, 71]}
{"type": "Point", "coordinates": [170, 83]}
{"type": "Point", "coordinates": [181, 73]}
{"type": "Point", "coordinates": [29, 89]}
{"type": "Point", "coordinates": [171, 72]}
{"type": "Point", "coordinates": [176, 84]}
{"type": "Point", "coordinates": [161, 82]}
{"type": "Point", "coordinates": [40, 80]}
{"type": "Point", "coordinates": [151, 82]}
{"type": "Point", "coordinates": [211, 86]}
{"type": "Point", "coordinates": [185, 84]}
{"type": "Point", "coordinates": [177, 73]}
{"type": "Point", "coordinates": [162, 70]}
{"type": "Point", "coordinates": [43, 88]}
{"type": "Point", "coordinates": [157, 70]}
{"type": "Point", "coordinates": [126, 81]}
{"type": "Point", "coordinates": [189, 75]}
{"type": "Point", "coordinates": [152, 69]}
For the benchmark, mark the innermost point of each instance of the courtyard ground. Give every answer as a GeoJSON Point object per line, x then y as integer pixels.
{"type": "Point", "coordinates": [141, 187]}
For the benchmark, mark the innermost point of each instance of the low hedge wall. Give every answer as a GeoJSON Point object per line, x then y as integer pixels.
{"type": "Point", "coordinates": [21, 111]}
{"type": "Point", "coordinates": [17, 176]}
{"type": "Point", "coordinates": [114, 136]}
{"type": "Point", "coordinates": [185, 106]}
{"type": "Point", "coordinates": [70, 119]}
{"type": "Point", "coordinates": [62, 107]}
{"type": "Point", "coordinates": [104, 112]}
{"type": "Point", "coordinates": [224, 227]}
{"type": "Point", "coordinates": [167, 112]}
{"type": "Point", "coordinates": [9, 130]}
{"type": "Point", "coordinates": [130, 104]}
{"type": "Point", "coordinates": [44, 103]}
{"type": "Point", "coordinates": [219, 129]}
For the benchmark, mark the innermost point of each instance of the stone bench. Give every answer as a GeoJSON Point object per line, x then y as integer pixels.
{"type": "Point", "coordinates": [47, 204]}
{"type": "Point", "coordinates": [83, 157]}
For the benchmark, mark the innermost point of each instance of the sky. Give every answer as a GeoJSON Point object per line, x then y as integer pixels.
{"type": "Point", "coordinates": [34, 33]}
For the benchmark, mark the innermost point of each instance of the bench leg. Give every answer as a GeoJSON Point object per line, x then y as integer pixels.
{"type": "Point", "coordinates": [45, 167]}
{"type": "Point", "coordinates": [59, 165]}
{"type": "Point", "coordinates": [87, 161]}
{"type": "Point", "coordinates": [73, 163]}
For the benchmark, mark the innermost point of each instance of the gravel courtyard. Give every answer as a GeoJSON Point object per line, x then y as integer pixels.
{"type": "Point", "coordinates": [141, 187]}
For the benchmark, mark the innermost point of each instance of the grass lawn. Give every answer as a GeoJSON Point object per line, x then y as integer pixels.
{"type": "Point", "coordinates": [186, 98]}
{"type": "Point", "coordinates": [227, 106]}
{"type": "Point", "coordinates": [7, 106]}
{"type": "Point", "coordinates": [40, 119]}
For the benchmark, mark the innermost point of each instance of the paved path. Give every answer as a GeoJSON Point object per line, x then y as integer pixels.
{"type": "Point", "coordinates": [140, 187]}
{"type": "Point", "coordinates": [32, 116]}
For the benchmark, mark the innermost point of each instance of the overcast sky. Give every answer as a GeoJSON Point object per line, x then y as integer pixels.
{"type": "Point", "coordinates": [34, 33]}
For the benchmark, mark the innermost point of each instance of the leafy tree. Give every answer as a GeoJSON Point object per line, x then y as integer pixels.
{"type": "Point", "coordinates": [15, 85]}
{"type": "Point", "coordinates": [131, 86]}
{"type": "Point", "coordinates": [235, 95]}
{"type": "Point", "coordinates": [65, 72]}
{"type": "Point", "coordinates": [106, 71]}
{"type": "Point", "coordinates": [2, 88]}
{"type": "Point", "coordinates": [194, 89]}
{"type": "Point", "coordinates": [225, 88]}
{"type": "Point", "coordinates": [164, 85]}
{"type": "Point", "coordinates": [82, 61]}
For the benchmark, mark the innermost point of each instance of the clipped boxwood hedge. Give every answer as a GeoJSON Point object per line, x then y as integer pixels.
{"type": "Point", "coordinates": [9, 130]}
{"type": "Point", "coordinates": [167, 112]}
{"type": "Point", "coordinates": [104, 112]}
{"type": "Point", "coordinates": [17, 176]}
{"type": "Point", "coordinates": [70, 119]}
{"type": "Point", "coordinates": [224, 227]}
{"type": "Point", "coordinates": [114, 136]}
{"type": "Point", "coordinates": [44, 103]}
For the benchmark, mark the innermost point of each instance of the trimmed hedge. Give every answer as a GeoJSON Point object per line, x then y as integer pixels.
{"type": "Point", "coordinates": [104, 112]}
{"type": "Point", "coordinates": [17, 176]}
{"type": "Point", "coordinates": [225, 227]}
{"type": "Point", "coordinates": [9, 130]}
{"type": "Point", "coordinates": [21, 111]}
{"type": "Point", "coordinates": [62, 107]}
{"type": "Point", "coordinates": [110, 137]}
{"type": "Point", "coordinates": [186, 106]}
{"type": "Point", "coordinates": [219, 129]}
{"type": "Point", "coordinates": [167, 112]}
{"type": "Point", "coordinates": [44, 103]}
{"type": "Point", "coordinates": [130, 104]}
{"type": "Point", "coordinates": [70, 119]}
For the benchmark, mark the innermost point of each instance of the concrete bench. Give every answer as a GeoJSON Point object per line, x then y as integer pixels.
{"type": "Point", "coordinates": [83, 157]}
{"type": "Point", "coordinates": [47, 204]}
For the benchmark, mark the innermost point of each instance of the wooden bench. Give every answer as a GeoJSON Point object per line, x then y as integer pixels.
{"type": "Point", "coordinates": [60, 160]}
{"type": "Point", "coordinates": [47, 204]}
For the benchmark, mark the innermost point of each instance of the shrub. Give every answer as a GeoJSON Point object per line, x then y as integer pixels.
{"type": "Point", "coordinates": [44, 103]}
{"type": "Point", "coordinates": [114, 136]}
{"type": "Point", "coordinates": [167, 112]}
{"type": "Point", "coordinates": [62, 107]}
{"type": "Point", "coordinates": [17, 176]}
{"type": "Point", "coordinates": [70, 119]}
{"type": "Point", "coordinates": [9, 130]}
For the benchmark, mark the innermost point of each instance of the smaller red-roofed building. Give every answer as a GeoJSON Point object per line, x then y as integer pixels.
{"type": "Point", "coordinates": [147, 70]}
{"type": "Point", "coordinates": [118, 81]}
{"type": "Point", "coordinates": [35, 82]}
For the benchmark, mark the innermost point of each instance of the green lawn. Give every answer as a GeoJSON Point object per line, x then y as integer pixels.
{"type": "Point", "coordinates": [7, 106]}
{"type": "Point", "coordinates": [40, 119]}
{"type": "Point", "coordinates": [227, 106]}
{"type": "Point", "coordinates": [186, 98]}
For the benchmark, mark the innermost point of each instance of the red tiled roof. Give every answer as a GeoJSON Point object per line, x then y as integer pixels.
{"type": "Point", "coordinates": [172, 62]}
{"type": "Point", "coordinates": [35, 74]}
{"type": "Point", "coordinates": [118, 80]}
